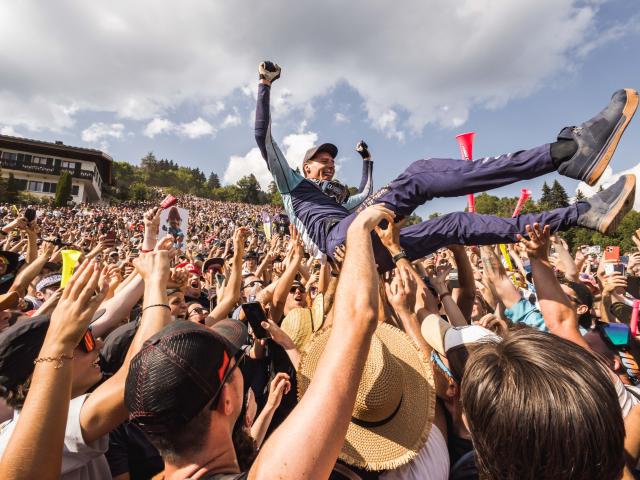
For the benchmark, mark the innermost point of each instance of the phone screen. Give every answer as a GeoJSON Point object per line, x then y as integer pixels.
{"type": "Point", "coordinates": [255, 314]}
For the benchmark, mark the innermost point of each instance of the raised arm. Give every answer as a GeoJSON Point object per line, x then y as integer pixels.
{"type": "Point", "coordinates": [285, 178]}
{"type": "Point", "coordinates": [302, 447]}
{"type": "Point", "coordinates": [366, 182]}
{"type": "Point", "coordinates": [231, 293]}
{"type": "Point", "coordinates": [104, 409]}
{"type": "Point", "coordinates": [35, 448]}
{"type": "Point", "coordinates": [557, 311]}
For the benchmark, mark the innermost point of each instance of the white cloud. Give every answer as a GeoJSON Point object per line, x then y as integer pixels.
{"type": "Point", "coordinates": [140, 60]}
{"type": "Point", "coordinates": [608, 178]}
{"type": "Point", "coordinates": [231, 120]}
{"type": "Point", "coordinates": [294, 147]}
{"type": "Point", "coordinates": [99, 132]}
{"type": "Point", "coordinates": [214, 108]}
{"type": "Point", "coordinates": [196, 129]}
{"type": "Point", "coordinates": [341, 118]}
{"type": "Point", "coordinates": [158, 126]}
{"type": "Point", "coordinates": [9, 130]}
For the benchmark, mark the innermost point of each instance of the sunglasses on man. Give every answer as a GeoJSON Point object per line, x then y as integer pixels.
{"type": "Point", "coordinates": [296, 288]}
{"type": "Point", "coordinates": [225, 372]}
{"type": "Point", "coordinates": [88, 342]}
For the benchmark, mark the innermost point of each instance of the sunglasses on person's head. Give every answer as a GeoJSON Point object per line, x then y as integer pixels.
{"type": "Point", "coordinates": [88, 342]}
{"type": "Point", "coordinates": [435, 358]}
{"type": "Point", "coordinates": [253, 284]}
{"type": "Point", "coordinates": [225, 372]}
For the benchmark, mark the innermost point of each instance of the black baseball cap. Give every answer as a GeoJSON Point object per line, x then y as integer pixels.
{"type": "Point", "coordinates": [215, 262]}
{"type": "Point", "coordinates": [330, 148]}
{"type": "Point", "coordinates": [116, 346]}
{"type": "Point", "coordinates": [19, 347]}
{"type": "Point", "coordinates": [178, 371]}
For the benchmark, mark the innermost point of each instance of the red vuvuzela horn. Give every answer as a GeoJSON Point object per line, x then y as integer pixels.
{"type": "Point", "coordinates": [465, 142]}
{"type": "Point", "coordinates": [524, 196]}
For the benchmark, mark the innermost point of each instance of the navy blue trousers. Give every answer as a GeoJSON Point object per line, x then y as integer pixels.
{"type": "Point", "coordinates": [424, 180]}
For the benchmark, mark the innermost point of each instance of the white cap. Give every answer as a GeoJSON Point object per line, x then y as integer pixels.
{"type": "Point", "coordinates": [442, 336]}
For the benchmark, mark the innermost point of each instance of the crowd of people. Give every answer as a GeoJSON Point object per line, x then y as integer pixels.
{"type": "Point", "coordinates": [330, 341]}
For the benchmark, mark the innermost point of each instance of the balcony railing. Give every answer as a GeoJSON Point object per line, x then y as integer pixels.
{"type": "Point", "coordinates": [44, 169]}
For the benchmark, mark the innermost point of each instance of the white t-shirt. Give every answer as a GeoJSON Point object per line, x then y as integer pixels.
{"type": "Point", "coordinates": [627, 400]}
{"type": "Point", "coordinates": [80, 461]}
{"type": "Point", "coordinates": [431, 463]}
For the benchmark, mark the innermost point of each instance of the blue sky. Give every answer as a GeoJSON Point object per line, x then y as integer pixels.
{"type": "Point", "coordinates": [179, 79]}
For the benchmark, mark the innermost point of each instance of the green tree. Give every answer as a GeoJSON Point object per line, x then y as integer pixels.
{"type": "Point", "coordinates": [559, 197]}
{"type": "Point", "coordinates": [413, 220]}
{"type": "Point", "coordinates": [249, 188]}
{"type": "Point", "coordinates": [213, 182]}
{"type": "Point", "coordinates": [545, 199]}
{"type": "Point", "coordinates": [274, 197]}
{"type": "Point", "coordinates": [434, 215]}
{"type": "Point", "coordinates": [63, 189]}
{"type": "Point", "coordinates": [579, 195]}
{"type": "Point", "coordinates": [139, 192]}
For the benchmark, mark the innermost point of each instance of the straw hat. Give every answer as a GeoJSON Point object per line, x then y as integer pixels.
{"type": "Point", "coordinates": [317, 312]}
{"type": "Point", "coordinates": [298, 324]}
{"type": "Point", "coordinates": [395, 403]}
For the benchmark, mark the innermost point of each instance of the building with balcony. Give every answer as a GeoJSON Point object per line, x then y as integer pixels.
{"type": "Point", "coordinates": [37, 165]}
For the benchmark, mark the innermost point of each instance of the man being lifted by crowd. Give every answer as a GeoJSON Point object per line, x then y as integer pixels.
{"type": "Point", "coordinates": [318, 206]}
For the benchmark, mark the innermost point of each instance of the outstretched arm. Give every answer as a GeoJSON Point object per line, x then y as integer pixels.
{"type": "Point", "coordinates": [557, 310]}
{"type": "Point", "coordinates": [285, 178]}
{"type": "Point", "coordinates": [366, 183]}
{"type": "Point", "coordinates": [302, 447]}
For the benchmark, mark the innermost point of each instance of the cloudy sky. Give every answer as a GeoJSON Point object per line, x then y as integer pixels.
{"type": "Point", "coordinates": [179, 78]}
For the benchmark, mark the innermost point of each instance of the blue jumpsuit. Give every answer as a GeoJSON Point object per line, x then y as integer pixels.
{"type": "Point", "coordinates": [323, 223]}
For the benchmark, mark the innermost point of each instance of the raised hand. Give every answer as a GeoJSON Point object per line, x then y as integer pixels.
{"type": "Point", "coordinates": [439, 279]}
{"type": "Point", "coordinates": [269, 72]}
{"type": "Point", "coordinates": [152, 220]}
{"type": "Point", "coordinates": [538, 244]}
{"type": "Point", "coordinates": [390, 236]}
{"type": "Point", "coordinates": [153, 266]}
{"type": "Point", "coordinates": [372, 216]}
{"type": "Point", "coordinates": [401, 291]}
{"type": "Point", "coordinates": [363, 149]}
{"type": "Point", "coordinates": [80, 299]}
{"type": "Point", "coordinates": [280, 386]}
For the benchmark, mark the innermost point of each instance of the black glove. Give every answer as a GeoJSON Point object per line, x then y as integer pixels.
{"type": "Point", "coordinates": [269, 71]}
{"type": "Point", "coordinates": [363, 149]}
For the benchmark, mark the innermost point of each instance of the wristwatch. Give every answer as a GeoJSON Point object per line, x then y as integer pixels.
{"type": "Point", "coordinates": [400, 255]}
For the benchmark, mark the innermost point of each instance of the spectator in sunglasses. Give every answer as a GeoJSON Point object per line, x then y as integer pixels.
{"type": "Point", "coordinates": [196, 313]}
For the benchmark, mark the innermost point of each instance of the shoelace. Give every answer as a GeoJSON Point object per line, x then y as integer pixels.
{"type": "Point", "coordinates": [577, 130]}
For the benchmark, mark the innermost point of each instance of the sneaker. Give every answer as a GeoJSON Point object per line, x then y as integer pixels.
{"type": "Point", "coordinates": [598, 138]}
{"type": "Point", "coordinates": [608, 207]}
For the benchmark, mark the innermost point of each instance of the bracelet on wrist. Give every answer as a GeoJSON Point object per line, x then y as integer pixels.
{"type": "Point", "coordinates": [164, 305]}
{"type": "Point", "coordinates": [59, 360]}
{"type": "Point", "coordinates": [399, 256]}
{"type": "Point", "coordinates": [442, 295]}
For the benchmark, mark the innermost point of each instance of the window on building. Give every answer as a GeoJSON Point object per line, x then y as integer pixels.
{"type": "Point", "coordinates": [42, 187]}
{"type": "Point", "coordinates": [34, 186]}
{"type": "Point", "coordinates": [38, 160]}
{"type": "Point", "coordinates": [69, 165]}
{"type": "Point", "coordinates": [49, 187]}
{"type": "Point", "coordinates": [9, 156]}
{"type": "Point", "coordinates": [75, 189]}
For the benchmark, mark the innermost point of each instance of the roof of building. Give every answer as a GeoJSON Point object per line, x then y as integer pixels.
{"type": "Point", "coordinates": [102, 160]}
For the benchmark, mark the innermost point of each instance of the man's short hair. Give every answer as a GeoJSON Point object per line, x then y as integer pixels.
{"type": "Point", "coordinates": [539, 406]}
